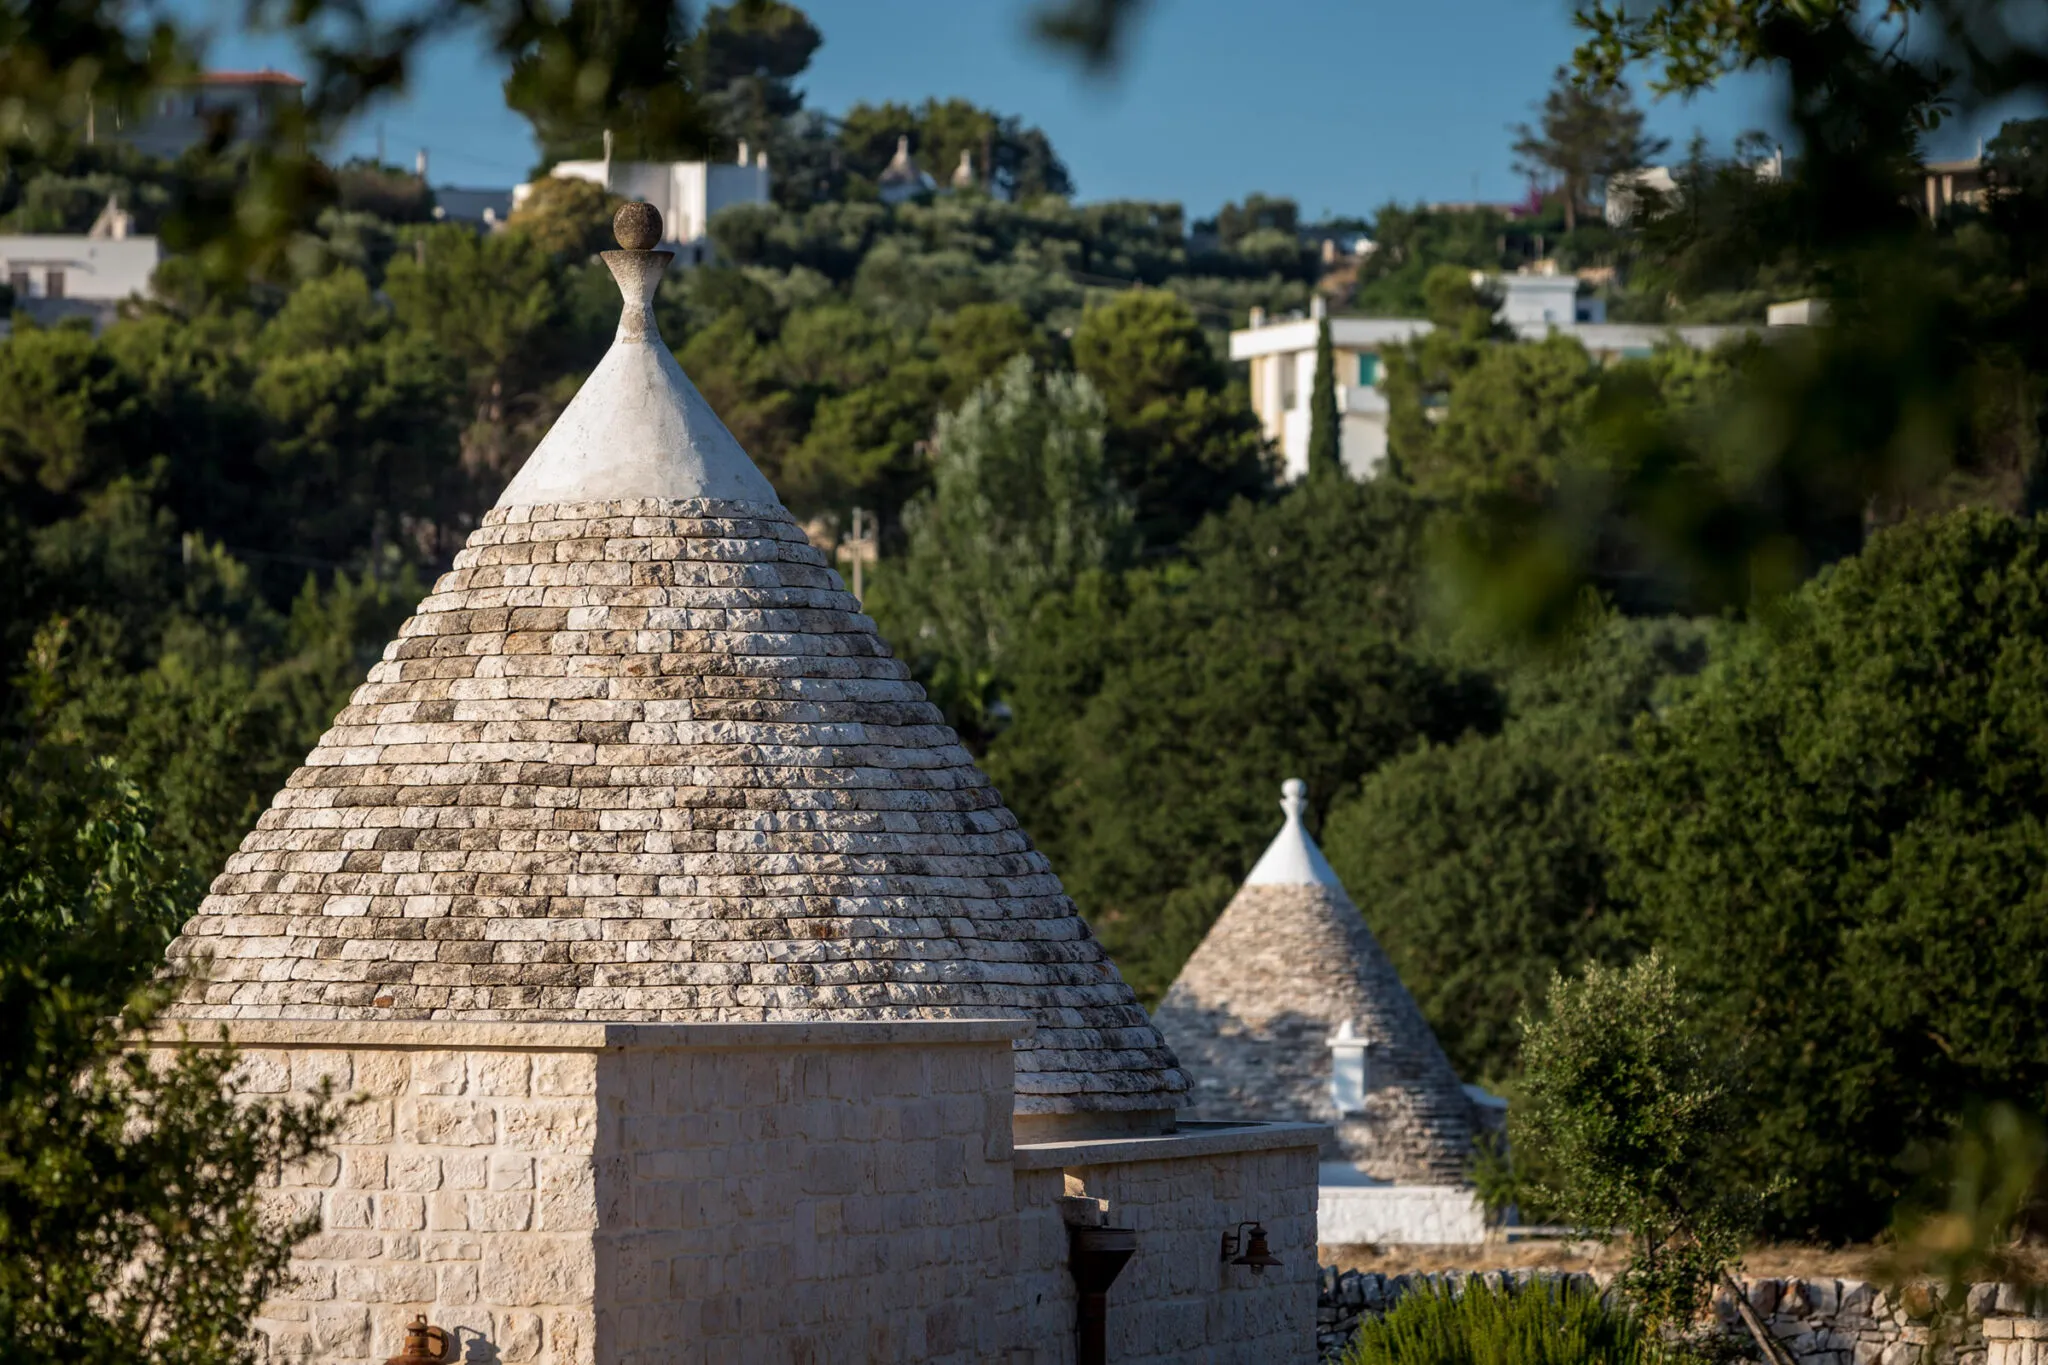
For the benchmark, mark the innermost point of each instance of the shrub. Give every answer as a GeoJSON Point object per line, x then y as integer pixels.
{"type": "Point", "coordinates": [1542, 1324]}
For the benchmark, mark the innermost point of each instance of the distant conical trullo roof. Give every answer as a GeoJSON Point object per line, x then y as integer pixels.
{"type": "Point", "coordinates": [1286, 970]}
{"type": "Point", "coordinates": [639, 756]}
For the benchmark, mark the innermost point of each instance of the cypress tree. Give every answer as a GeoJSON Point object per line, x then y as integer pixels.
{"type": "Point", "coordinates": [1325, 455]}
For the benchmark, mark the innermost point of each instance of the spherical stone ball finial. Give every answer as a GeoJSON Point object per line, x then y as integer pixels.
{"type": "Point", "coordinates": [637, 226]}
{"type": "Point", "coordinates": [1294, 797]}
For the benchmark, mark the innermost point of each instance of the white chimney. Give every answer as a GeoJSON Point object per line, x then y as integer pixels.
{"type": "Point", "coordinates": [419, 165]}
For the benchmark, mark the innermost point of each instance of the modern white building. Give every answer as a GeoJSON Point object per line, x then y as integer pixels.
{"type": "Point", "coordinates": [1283, 375]}
{"type": "Point", "coordinates": [55, 275]}
{"type": "Point", "coordinates": [1282, 357]}
{"type": "Point", "coordinates": [1532, 300]}
{"type": "Point", "coordinates": [688, 193]}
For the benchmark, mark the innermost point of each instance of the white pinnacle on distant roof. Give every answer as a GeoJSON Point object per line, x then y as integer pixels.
{"type": "Point", "coordinates": [638, 428]}
{"type": "Point", "coordinates": [1292, 859]}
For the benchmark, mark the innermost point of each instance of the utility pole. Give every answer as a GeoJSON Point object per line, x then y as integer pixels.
{"type": "Point", "coordinates": [863, 542]}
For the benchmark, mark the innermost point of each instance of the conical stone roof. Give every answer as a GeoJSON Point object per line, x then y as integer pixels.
{"type": "Point", "coordinates": [1286, 966]}
{"type": "Point", "coordinates": [639, 756]}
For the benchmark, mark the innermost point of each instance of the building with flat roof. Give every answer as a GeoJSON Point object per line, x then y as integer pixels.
{"type": "Point", "coordinates": [243, 105]}
{"type": "Point", "coordinates": [54, 276]}
{"type": "Point", "coordinates": [1282, 357]}
{"type": "Point", "coordinates": [688, 194]}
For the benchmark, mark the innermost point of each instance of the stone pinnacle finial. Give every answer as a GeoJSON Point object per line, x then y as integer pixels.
{"type": "Point", "coordinates": [1294, 798]}
{"type": "Point", "coordinates": [637, 226]}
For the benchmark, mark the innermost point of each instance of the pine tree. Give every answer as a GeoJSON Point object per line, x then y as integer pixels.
{"type": "Point", "coordinates": [1325, 456]}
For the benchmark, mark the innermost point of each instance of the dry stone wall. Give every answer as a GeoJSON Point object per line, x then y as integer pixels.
{"type": "Point", "coordinates": [1818, 1322]}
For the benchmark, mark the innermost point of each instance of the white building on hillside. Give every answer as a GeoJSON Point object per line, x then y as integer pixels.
{"type": "Point", "coordinates": [1282, 356]}
{"type": "Point", "coordinates": [1545, 300]}
{"type": "Point", "coordinates": [687, 193]}
{"type": "Point", "coordinates": [56, 275]}
{"type": "Point", "coordinates": [247, 104]}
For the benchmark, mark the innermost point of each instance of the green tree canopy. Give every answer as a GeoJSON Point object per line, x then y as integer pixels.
{"type": "Point", "coordinates": [1584, 134]}
{"type": "Point", "coordinates": [130, 1225]}
{"type": "Point", "coordinates": [1021, 504]}
{"type": "Point", "coordinates": [1480, 864]}
{"type": "Point", "coordinates": [1182, 443]}
{"type": "Point", "coordinates": [1325, 432]}
{"type": "Point", "coordinates": [1631, 1107]}
{"type": "Point", "coordinates": [1839, 842]}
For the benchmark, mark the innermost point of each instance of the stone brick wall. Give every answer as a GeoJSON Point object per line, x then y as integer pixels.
{"type": "Point", "coordinates": [1819, 1322]}
{"type": "Point", "coordinates": [567, 1194]}
{"type": "Point", "coordinates": [679, 1194]}
{"type": "Point", "coordinates": [461, 1186]}
{"type": "Point", "coordinates": [819, 1206]}
{"type": "Point", "coordinates": [1177, 1300]}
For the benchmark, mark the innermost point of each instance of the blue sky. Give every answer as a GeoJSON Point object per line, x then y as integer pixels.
{"type": "Point", "coordinates": [1341, 104]}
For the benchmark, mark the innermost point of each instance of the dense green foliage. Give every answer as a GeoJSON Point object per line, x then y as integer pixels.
{"type": "Point", "coordinates": [1839, 841]}
{"type": "Point", "coordinates": [129, 1225]}
{"type": "Point", "coordinates": [1022, 504]}
{"type": "Point", "coordinates": [1483, 1324]}
{"type": "Point", "coordinates": [1629, 1107]}
{"type": "Point", "coordinates": [1480, 864]}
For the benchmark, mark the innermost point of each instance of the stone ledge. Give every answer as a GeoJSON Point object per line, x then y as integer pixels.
{"type": "Point", "coordinates": [517, 1035]}
{"type": "Point", "coordinates": [1193, 1140]}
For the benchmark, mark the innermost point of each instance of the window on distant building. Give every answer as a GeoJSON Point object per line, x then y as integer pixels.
{"type": "Point", "coordinates": [1368, 371]}
{"type": "Point", "coordinates": [53, 284]}
{"type": "Point", "coordinates": [1289, 365]}
{"type": "Point", "coordinates": [17, 280]}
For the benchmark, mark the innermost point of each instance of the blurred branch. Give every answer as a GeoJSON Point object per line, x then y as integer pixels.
{"type": "Point", "coordinates": [591, 60]}
{"type": "Point", "coordinates": [1097, 32]}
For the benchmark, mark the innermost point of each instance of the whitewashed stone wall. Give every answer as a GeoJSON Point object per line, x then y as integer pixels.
{"type": "Point", "coordinates": [1177, 1300]}
{"type": "Point", "coordinates": [1399, 1215]}
{"type": "Point", "coordinates": [681, 1194]}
